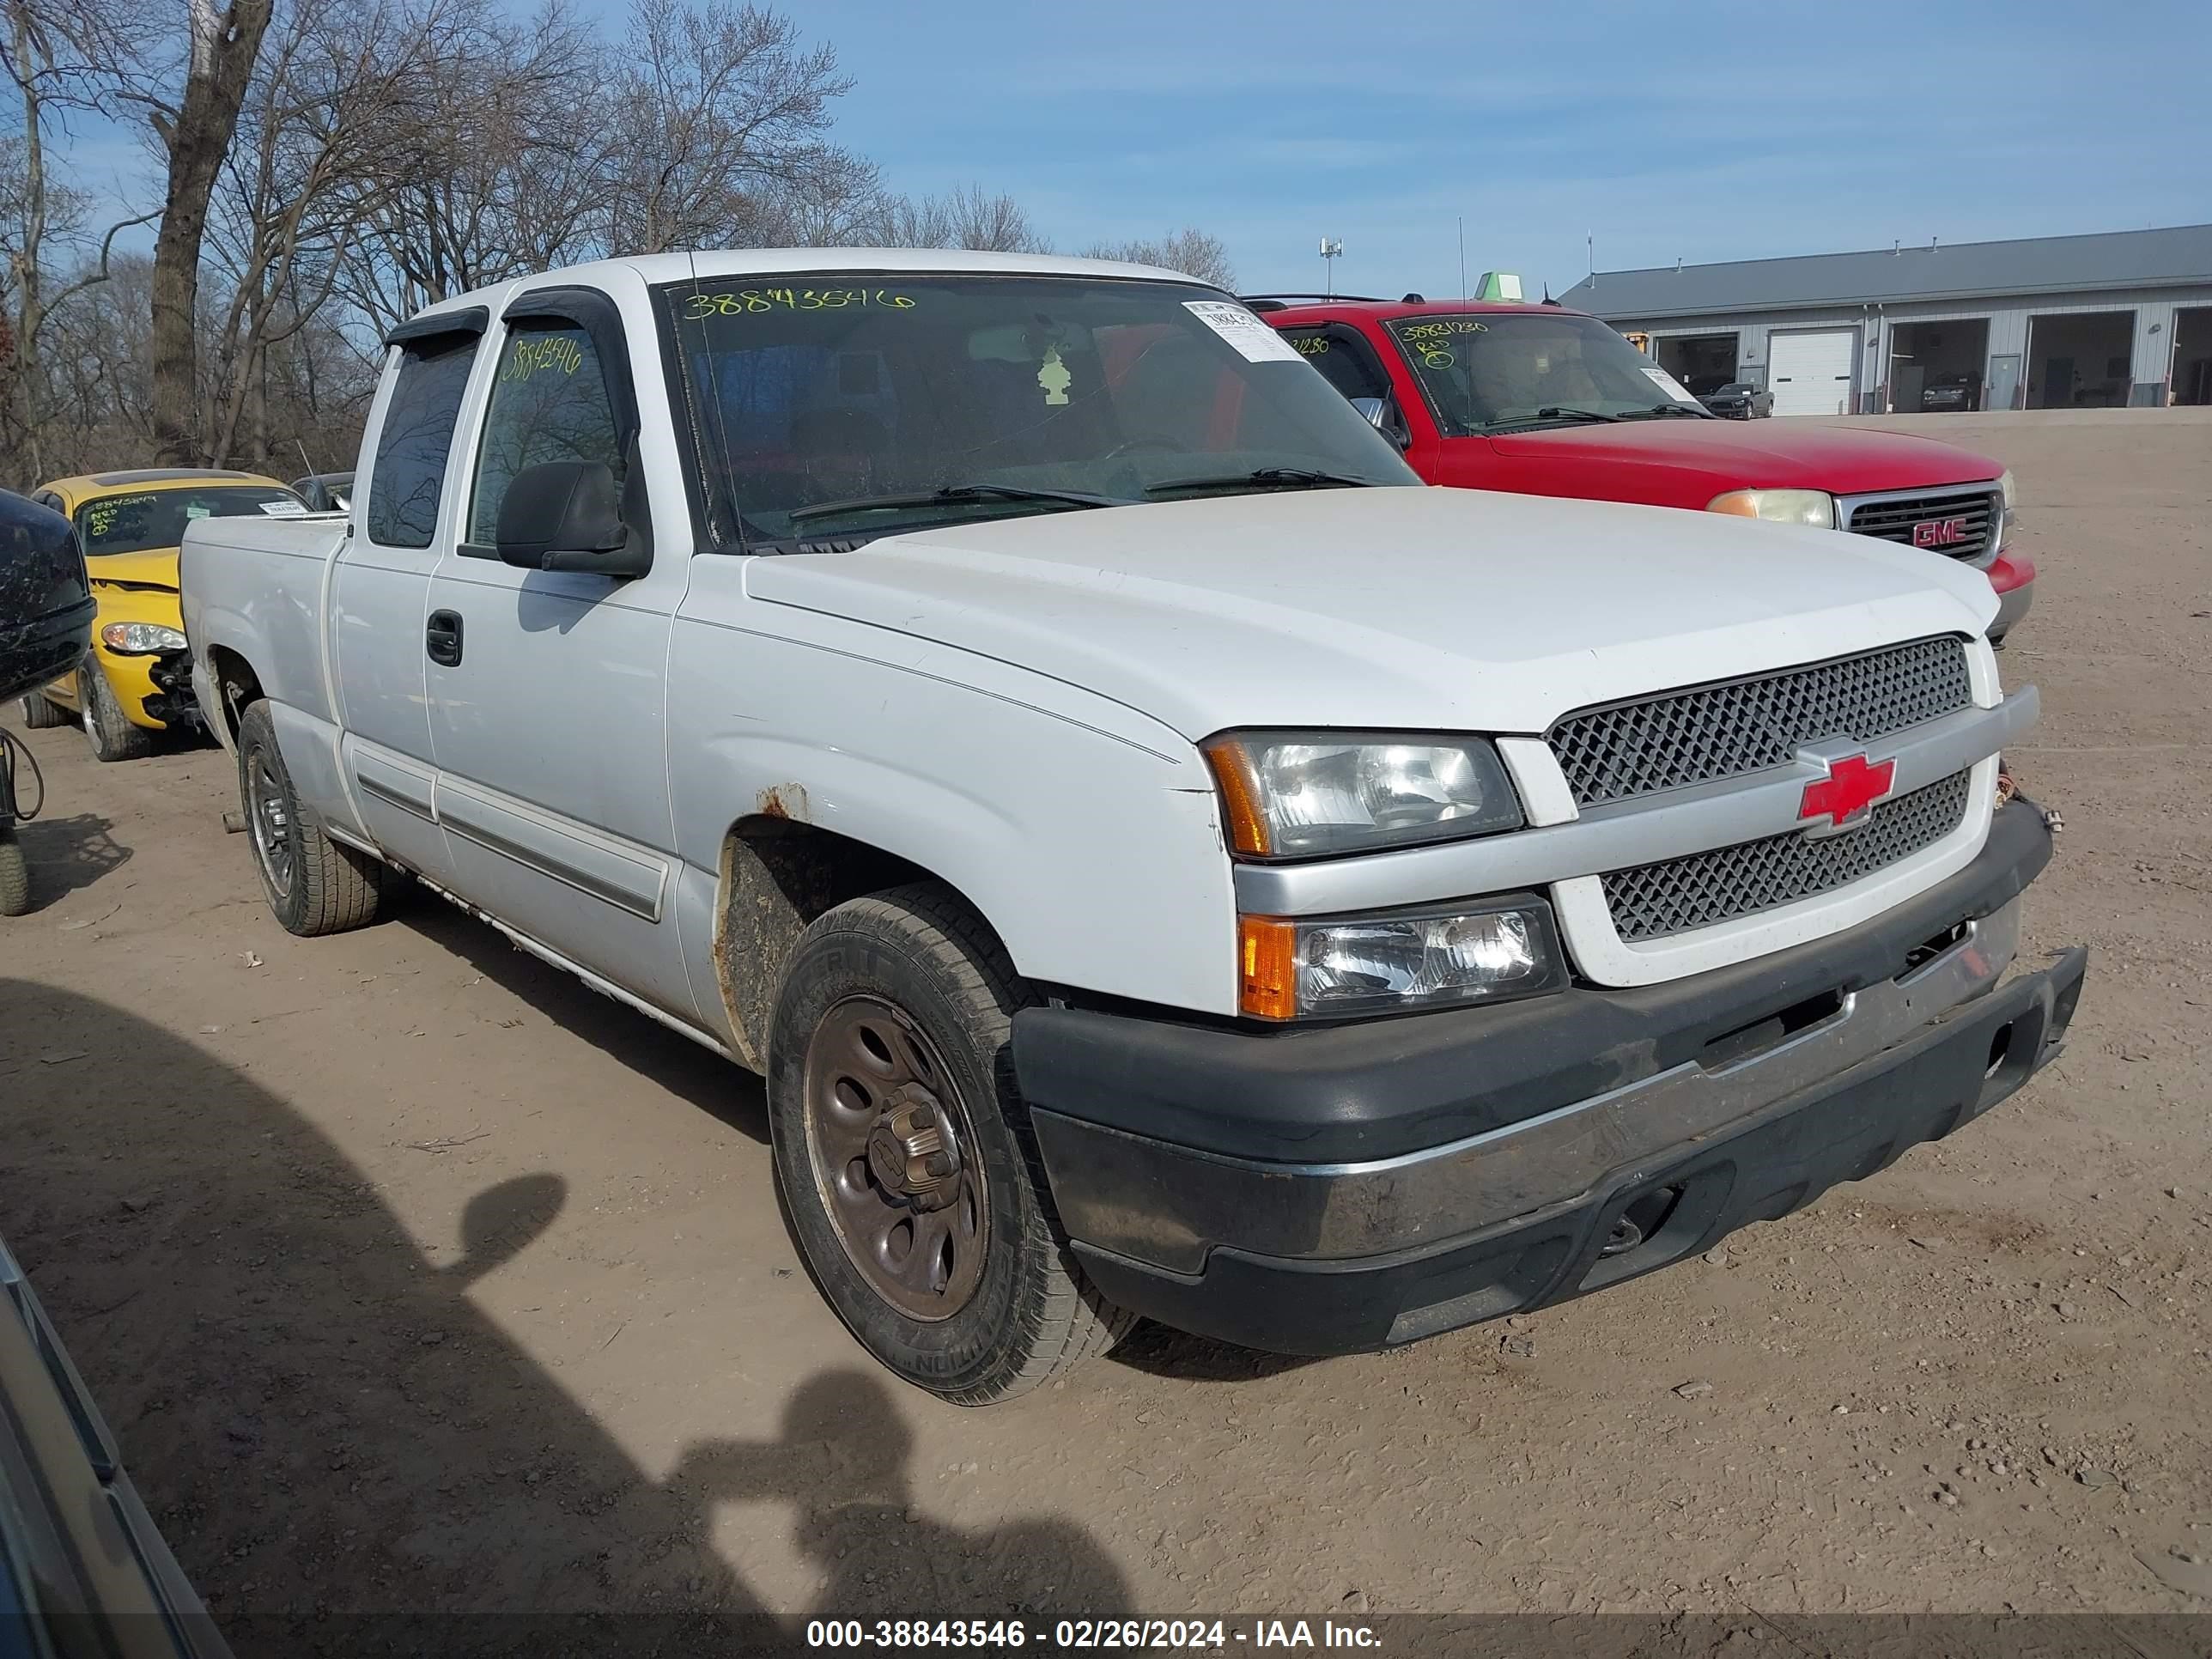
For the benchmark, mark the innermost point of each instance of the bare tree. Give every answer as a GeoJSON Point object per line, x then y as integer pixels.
{"type": "Point", "coordinates": [966, 217]}
{"type": "Point", "coordinates": [322, 123]}
{"type": "Point", "coordinates": [1190, 250]}
{"type": "Point", "coordinates": [59, 55]}
{"type": "Point", "coordinates": [713, 106]}
{"type": "Point", "coordinates": [502, 170]}
{"type": "Point", "coordinates": [222, 47]}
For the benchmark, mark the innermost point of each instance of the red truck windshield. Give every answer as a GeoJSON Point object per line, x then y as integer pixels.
{"type": "Point", "coordinates": [856, 405]}
{"type": "Point", "coordinates": [1485, 372]}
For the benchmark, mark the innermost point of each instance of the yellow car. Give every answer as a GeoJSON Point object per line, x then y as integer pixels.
{"type": "Point", "coordinates": [137, 680]}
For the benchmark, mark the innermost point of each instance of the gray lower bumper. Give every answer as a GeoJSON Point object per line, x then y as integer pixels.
{"type": "Point", "coordinates": [1115, 1193]}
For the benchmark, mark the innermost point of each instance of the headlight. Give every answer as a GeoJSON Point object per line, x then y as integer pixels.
{"type": "Point", "coordinates": [1816, 507]}
{"type": "Point", "coordinates": [2004, 488]}
{"type": "Point", "coordinates": [140, 639]}
{"type": "Point", "coordinates": [1293, 968]}
{"type": "Point", "coordinates": [1291, 795]}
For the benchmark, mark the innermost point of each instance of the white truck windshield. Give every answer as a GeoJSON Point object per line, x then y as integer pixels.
{"type": "Point", "coordinates": [840, 407]}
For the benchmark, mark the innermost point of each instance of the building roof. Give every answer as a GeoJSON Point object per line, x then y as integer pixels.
{"type": "Point", "coordinates": [1963, 270]}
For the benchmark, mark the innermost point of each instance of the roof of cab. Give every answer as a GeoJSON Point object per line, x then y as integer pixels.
{"type": "Point", "coordinates": [654, 269]}
{"type": "Point", "coordinates": [152, 477]}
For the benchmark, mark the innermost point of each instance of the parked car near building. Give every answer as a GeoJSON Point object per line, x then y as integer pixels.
{"type": "Point", "coordinates": [1952, 394]}
{"type": "Point", "coordinates": [1739, 400]}
{"type": "Point", "coordinates": [1164, 860]}
{"type": "Point", "coordinates": [1546, 401]}
{"type": "Point", "coordinates": [137, 681]}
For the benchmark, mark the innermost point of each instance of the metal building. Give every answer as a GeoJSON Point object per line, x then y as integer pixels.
{"type": "Point", "coordinates": [2052, 322]}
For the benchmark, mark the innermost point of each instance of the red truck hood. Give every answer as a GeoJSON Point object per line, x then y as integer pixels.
{"type": "Point", "coordinates": [1670, 462]}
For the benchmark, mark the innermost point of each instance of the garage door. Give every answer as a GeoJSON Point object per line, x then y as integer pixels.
{"type": "Point", "coordinates": [1811, 373]}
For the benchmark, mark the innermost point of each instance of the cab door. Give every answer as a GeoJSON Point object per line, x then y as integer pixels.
{"type": "Point", "coordinates": [380, 587]}
{"type": "Point", "coordinates": [547, 689]}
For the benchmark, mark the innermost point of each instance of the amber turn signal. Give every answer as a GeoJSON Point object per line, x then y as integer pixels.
{"type": "Point", "coordinates": [1239, 797]}
{"type": "Point", "coordinates": [1267, 966]}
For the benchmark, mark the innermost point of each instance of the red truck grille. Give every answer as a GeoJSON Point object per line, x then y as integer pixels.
{"type": "Point", "coordinates": [1962, 524]}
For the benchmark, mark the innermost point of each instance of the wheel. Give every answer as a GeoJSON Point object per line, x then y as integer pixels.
{"type": "Point", "coordinates": [15, 875]}
{"type": "Point", "coordinates": [909, 1176]}
{"type": "Point", "coordinates": [107, 727]}
{"type": "Point", "coordinates": [313, 885]}
{"type": "Point", "coordinates": [40, 714]}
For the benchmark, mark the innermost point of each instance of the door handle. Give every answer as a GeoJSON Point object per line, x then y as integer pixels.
{"type": "Point", "coordinates": [442, 639]}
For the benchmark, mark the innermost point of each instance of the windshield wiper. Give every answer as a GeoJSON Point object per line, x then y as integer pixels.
{"type": "Point", "coordinates": [952, 496]}
{"type": "Point", "coordinates": [1309, 477]}
{"type": "Point", "coordinates": [1681, 409]}
{"type": "Point", "coordinates": [1559, 412]}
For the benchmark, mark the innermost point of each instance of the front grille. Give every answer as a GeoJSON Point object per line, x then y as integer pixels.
{"type": "Point", "coordinates": [1706, 889]}
{"type": "Point", "coordinates": [1744, 726]}
{"type": "Point", "coordinates": [1971, 515]}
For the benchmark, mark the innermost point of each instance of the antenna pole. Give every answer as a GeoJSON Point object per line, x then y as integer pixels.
{"type": "Point", "coordinates": [1462, 259]}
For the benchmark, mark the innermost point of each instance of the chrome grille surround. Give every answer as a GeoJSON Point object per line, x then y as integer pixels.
{"type": "Point", "coordinates": [1891, 517]}
{"type": "Point", "coordinates": [1679, 896]}
{"type": "Point", "coordinates": [1738, 726]}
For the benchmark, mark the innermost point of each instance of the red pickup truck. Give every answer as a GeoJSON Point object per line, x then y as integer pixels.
{"type": "Point", "coordinates": [1546, 401]}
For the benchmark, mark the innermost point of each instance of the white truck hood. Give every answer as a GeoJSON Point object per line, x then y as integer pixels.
{"type": "Point", "coordinates": [1388, 608]}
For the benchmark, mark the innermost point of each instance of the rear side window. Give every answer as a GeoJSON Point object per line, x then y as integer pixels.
{"type": "Point", "coordinates": [1346, 360]}
{"type": "Point", "coordinates": [549, 403]}
{"type": "Point", "coordinates": [417, 437]}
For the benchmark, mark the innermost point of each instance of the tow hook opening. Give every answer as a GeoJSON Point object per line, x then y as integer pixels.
{"type": "Point", "coordinates": [2000, 1049]}
{"type": "Point", "coordinates": [1640, 1220]}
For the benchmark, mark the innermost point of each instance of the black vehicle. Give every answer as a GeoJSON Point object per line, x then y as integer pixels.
{"type": "Point", "coordinates": [1951, 394]}
{"type": "Point", "coordinates": [46, 628]}
{"type": "Point", "coordinates": [1739, 400]}
{"type": "Point", "coordinates": [82, 1570]}
{"type": "Point", "coordinates": [325, 492]}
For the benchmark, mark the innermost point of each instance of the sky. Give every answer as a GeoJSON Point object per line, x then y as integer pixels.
{"type": "Point", "coordinates": [1698, 129]}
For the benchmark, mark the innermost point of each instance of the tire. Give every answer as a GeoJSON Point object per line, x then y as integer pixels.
{"type": "Point", "coordinates": [313, 885]}
{"type": "Point", "coordinates": [40, 714]}
{"type": "Point", "coordinates": [918, 969]}
{"type": "Point", "coordinates": [107, 727]}
{"type": "Point", "coordinates": [15, 875]}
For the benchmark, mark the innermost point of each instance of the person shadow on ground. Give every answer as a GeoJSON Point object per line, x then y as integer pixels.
{"type": "Point", "coordinates": [348, 1456]}
{"type": "Point", "coordinates": [843, 1460]}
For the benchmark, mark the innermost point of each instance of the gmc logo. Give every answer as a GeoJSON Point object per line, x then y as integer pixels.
{"type": "Point", "coordinates": [1939, 532]}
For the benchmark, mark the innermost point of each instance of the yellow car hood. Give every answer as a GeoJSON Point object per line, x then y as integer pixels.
{"type": "Point", "coordinates": [156, 567]}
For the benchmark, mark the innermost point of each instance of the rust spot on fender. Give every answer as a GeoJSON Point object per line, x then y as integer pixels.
{"type": "Point", "coordinates": [784, 800]}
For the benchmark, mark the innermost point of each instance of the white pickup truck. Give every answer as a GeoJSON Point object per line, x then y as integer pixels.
{"type": "Point", "coordinates": [1164, 859]}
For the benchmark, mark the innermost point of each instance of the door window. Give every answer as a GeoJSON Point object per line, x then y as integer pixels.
{"type": "Point", "coordinates": [549, 403]}
{"type": "Point", "coordinates": [1344, 358]}
{"type": "Point", "coordinates": [416, 439]}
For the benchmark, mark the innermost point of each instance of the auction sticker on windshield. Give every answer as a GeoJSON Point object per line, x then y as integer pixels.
{"type": "Point", "coordinates": [1255, 341]}
{"type": "Point", "coordinates": [1673, 387]}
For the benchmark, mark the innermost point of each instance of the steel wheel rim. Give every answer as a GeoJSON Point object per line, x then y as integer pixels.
{"type": "Point", "coordinates": [894, 1160]}
{"type": "Point", "coordinates": [269, 822]}
{"type": "Point", "coordinates": [94, 734]}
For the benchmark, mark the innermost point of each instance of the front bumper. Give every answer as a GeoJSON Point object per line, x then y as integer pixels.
{"type": "Point", "coordinates": [155, 691]}
{"type": "Point", "coordinates": [1724, 1099]}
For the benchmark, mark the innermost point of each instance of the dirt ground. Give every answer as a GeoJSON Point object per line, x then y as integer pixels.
{"type": "Point", "coordinates": [416, 1277]}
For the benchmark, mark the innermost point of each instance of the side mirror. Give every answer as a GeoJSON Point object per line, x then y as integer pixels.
{"type": "Point", "coordinates": [1381, 413]}
{"type": "Point", "coordinates": [567, 515]}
